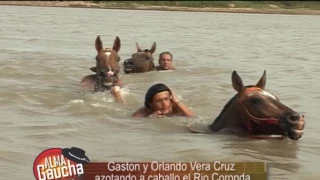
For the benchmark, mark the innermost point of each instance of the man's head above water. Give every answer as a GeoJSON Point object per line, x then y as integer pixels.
{"type": "Point", "coordinates": [158, 98]}
{"type": "Point", "coordinates": [165, 61]}
{"type": "Point", "coordinates": [161, 101]}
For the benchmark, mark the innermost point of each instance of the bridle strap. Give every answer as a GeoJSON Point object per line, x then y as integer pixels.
{"type": "Point", "coordinates": [99, 83]}
{"type": "Point", "coordinates": [254, 118]}
{"type": "Point", "coordinates": [142, 63]}
{"type": "Point", "coordinates": [99, 86]}
{"type": "Point", "coordinates": [257, 119]}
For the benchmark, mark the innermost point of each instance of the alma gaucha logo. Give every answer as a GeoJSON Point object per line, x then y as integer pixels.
{"type": "Point", "coordinates": [60, 164]}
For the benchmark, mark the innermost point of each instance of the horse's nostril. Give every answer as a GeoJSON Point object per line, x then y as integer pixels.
{"type": "Point", "coordinates": [128, 62]}
{"type": "Point", "coordinates": [294, 117]}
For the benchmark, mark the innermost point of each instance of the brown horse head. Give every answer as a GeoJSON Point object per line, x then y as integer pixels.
{"type": "Point", "coordinates": [257, 112]}
{"type": "Point", "coordinates": [141, 61]}
{"type": "Point", "coordinates": [107, 67]}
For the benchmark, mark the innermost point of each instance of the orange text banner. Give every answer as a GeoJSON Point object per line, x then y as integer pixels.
{"type": "Point", "coordinates": [157, 170]}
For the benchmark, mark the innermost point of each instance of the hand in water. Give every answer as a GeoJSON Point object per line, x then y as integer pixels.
{"type": "Point", "coordinates": [156, 114]}
{"type": "Point", "coordinates": [115, 90]}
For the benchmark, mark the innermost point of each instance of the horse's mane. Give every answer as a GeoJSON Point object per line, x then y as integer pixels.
{"type": "Point", "coordinates": [218, 118]}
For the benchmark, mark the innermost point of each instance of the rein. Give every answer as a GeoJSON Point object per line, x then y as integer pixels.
{"type": "Point", "coordinates": [254, 118]}
{"type": "Point", "coordinates": [141, 64]}
{"type": "Point", "coordinates": [99, 86]}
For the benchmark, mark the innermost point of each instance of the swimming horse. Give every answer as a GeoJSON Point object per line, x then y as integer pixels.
{"type": "Point", "coordinates": [141, 61]}
{"type": "Point", "coordinates": [254, 112]}
{"type": "Point", "coordinates": [106, 69]}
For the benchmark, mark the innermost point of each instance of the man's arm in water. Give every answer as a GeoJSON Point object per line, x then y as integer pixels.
{"type": "Point", "coordinates": [115, 91]}
{"type": "Point", "coordinates": [142, 112]}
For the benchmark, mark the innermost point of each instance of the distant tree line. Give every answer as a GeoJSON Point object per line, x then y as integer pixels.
{"type": "Point", "coordinates": [241, 4]}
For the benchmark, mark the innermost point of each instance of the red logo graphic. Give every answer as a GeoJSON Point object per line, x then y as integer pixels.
{"type": "Point", "coordinates": [60, 164]}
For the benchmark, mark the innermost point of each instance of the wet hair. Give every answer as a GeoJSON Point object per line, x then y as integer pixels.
{"type": "Point", "coordinates": [166, 52]}
{"type": "Point", "coordinates": [152, 91]}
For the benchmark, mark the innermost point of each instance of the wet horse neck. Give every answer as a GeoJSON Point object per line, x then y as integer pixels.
{"type": "Point", "coordinates": [229, 117]}
{"type": "Point", "coordinates": [151, 66]}
{"type": "Point", "coordinates": [98, 86]}
{"type": "Point", "coordinates": [145, 66]}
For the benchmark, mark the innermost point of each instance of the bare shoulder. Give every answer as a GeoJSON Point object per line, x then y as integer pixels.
{"type": "Point", "coordinates": [157, 68]}
{"type": "Point", "coordinates": [88, 81]}
{"type": "Point", "coordinates": [142, 112]}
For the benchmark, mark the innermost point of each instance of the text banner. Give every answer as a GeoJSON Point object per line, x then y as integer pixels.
{"type": "Point", "coordinates": [175, 171]}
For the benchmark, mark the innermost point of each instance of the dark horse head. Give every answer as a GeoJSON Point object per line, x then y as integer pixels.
{"type": "Point", "coordinates": [141, 61]}
{"type": "Point", "coordinates": [258, 113]}
{"type": "Point", "coordinates": [107, 67]}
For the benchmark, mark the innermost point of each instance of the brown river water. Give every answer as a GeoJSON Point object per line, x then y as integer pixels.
{"type": "Point", "coordinates": [45, 52]}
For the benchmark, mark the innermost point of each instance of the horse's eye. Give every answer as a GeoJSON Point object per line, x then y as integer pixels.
{"type": "Point", "coordinates": [255, 101]}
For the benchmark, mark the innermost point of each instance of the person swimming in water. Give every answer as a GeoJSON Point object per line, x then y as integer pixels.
{"type": "Point", "coordinates": [162, 101]}
{"type": "Point", "coordinates": [165, 62]}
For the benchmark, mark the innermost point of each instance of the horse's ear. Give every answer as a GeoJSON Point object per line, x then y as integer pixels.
{"type": "Point", "coordinates": [98, 44]}
{"type": "Point", "coordinates": [93, 69]}
{"type": "Point", "coordinates": [153, 48]}
{"type": "Point", "coordinates": [237, 81]}
{"type": "Point", "coordinates": [116, 44]}
{"type": "Point", "coordinates": [262, 82]}
{"type": "Point", "coordinates": [138, 48]}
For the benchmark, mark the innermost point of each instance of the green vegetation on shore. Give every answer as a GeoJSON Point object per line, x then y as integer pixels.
{"type": "Point", "coordinates": [312, 5]}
